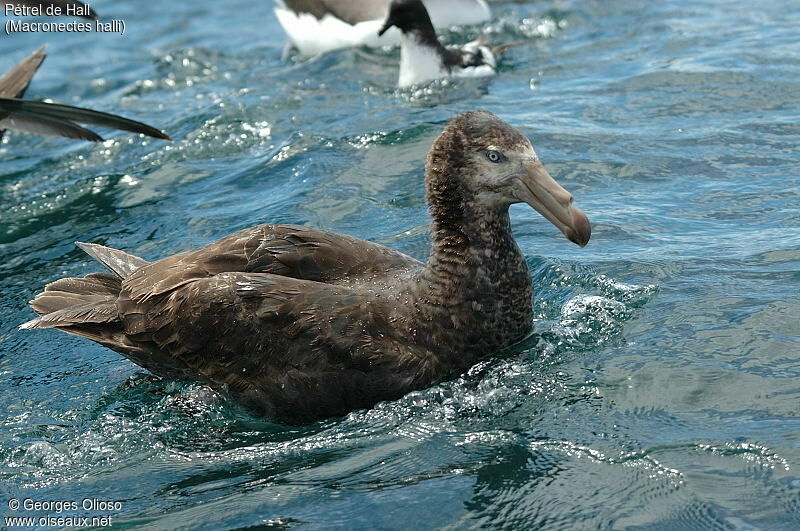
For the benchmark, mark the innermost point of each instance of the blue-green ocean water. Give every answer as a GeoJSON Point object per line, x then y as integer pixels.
{"type": "Point", "coordinates": [662, 387]}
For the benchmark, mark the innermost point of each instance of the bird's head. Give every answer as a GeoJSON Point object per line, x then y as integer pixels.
{"type": "Point", "coordinates": [406, 15]}
{"type": "Point", "coordinates": [495, 166]}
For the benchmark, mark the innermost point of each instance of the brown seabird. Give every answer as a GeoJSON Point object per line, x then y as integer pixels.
{"type": "Point", "coordinates": [300, 324]}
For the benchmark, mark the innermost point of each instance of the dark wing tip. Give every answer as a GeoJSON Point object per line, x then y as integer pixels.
{"type": "Point", "coordinates": [154, 133]}
{"type": "Point", "coordinates": [91, 136]}
{"type": "Point", "coordinates": [67, 115]}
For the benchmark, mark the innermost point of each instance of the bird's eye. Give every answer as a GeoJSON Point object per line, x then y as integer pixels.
{"type": "Point", "coordinates": [494, 156]}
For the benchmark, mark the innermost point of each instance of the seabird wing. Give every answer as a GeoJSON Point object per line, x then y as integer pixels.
{"type": "Point", "coordinates": [120, 263]}
{"type": "Point", "coordinates": [345, 10]}
{"type": "Point", "coordinates": [67, 113]}
{"type": "Point", "coordinates": [14, 82]}
{"type": "Point", "coordinates": [283, 250]}
{"type": "Point", "coordinates": [355, 12]}
{"type": "Point", "coordinates": [299, 348]}
{"type": "Point", "coordinates": [44, 125]}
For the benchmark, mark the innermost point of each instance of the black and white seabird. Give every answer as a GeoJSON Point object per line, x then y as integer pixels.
{"type": "Point", "coordinates": [318, 26]}
{"type": "Point", "coordinates": [300, 324]}
{"type": "Point", "coordinates": [422, 55]}
{"type": "Point", "coordinates": [43, 118]}
{"type": "Point", "coordinates": [66, 6]}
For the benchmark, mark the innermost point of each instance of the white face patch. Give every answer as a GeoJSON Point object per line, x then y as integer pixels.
{"type": "Point", "coordinates": [493, 182]}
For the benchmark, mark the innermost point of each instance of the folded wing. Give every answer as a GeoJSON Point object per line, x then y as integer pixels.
{"type": "Point", "coordinates": [286, 250]}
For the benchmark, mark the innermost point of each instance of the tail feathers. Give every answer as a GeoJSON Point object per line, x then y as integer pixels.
{"type": "Point", "coordinates": [95, 313]}
{"type": "Point", "coordinates": [118, 262]}
{"type": "Point", "coordinates": [87, 307]}
{"type": "Point", "coordinates": [74, 301]}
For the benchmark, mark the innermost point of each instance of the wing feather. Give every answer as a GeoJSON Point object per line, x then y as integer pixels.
{"type": "Point", "coordinates": [285, 250]}
{"type": "Point", "coordinates": [14, 82]}
{"type": "Point", "coordinates": [45, 125]}
{"type": "Point", "coordinates": [345, 10]}
{"type": "Point", "coordinates": [68, 113]}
